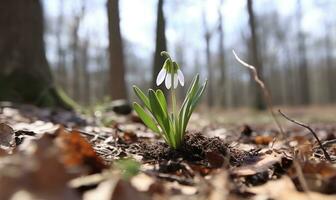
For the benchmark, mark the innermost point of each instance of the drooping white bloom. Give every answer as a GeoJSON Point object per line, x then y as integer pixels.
{"type": "Point", "coordinates": [169, 75]}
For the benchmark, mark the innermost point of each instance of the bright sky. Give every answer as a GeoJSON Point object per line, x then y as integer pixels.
{"type": "Point", "coordinates": [184, 19]}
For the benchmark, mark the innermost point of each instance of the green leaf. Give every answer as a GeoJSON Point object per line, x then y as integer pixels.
{"type": "Point", "coordinates": [160, 96]}
{"type": "Point", "coordinates": [159, 114]}
{"type": "Point", "coordinates": [141, 96]}
{"type": "Point", "coordinates": [145, 117]}
{"type": "Point", "coordinates": [183, 114]}
{"type": "Point", "coordinates": [197, 97]}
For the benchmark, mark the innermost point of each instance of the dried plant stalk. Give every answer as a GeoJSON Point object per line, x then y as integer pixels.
{"type": "Point", "coordinates": [326, 155]}
{"type": "Point", "coordinates": [267, 95]}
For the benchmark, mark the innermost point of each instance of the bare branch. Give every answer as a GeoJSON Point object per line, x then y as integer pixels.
{"type": "Point", "coordinates": [267, 95]}
{"type": "Point", "coordinates": [311, 130]}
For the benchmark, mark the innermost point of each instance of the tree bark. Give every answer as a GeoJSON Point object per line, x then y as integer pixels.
{"type": "Point", "coordinates": [254, 52]}
{"type": "Point", "coordinates": [160, 44]}
{"type": "Point", "coordinates": [25, 75]}
{"type": "Point", "coordinates": [117, 63]}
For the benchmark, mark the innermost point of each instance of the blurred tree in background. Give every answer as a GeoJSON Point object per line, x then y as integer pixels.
{"type": "Point", "coordinates": [25, 75]}
{"type": "Point", "coordinates": [117, 63]}
{"type": "Point", "coordinates": [98, 49]}
{"type": "Point", "coordinates": [160, 44]}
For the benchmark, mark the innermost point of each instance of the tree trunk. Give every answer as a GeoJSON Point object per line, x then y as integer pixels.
{"type": "Point", "coordinates": [62, 75]}
{"type": "Point", "coordinates": [75, 48]}
{"type": "Point", "coordinates": [221, 50]}
{"type": "Point", "coordinates": [86, 87]}
{"type": "Point", "coordinates": [25, 75]}
{"type": "Point", "coordinates": [160, 44]}
{"type": "Point", "coordinates": [330, 76]}
{"type": "Point", "coordinates": [117, 63]}
{"type": "Point", "coordinates": [207, 37]}
{"type": "Point", "coordinates": [303, 65]}
{"type": "Point", "coordinates": [254, 52]}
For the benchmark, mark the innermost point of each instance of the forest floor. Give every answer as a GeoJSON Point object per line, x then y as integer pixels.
{"type": "Point", "coordinates": [233, 154]}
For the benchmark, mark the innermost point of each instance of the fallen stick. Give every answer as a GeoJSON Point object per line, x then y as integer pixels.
{"type": "Point", "coordinates": [326, 155]}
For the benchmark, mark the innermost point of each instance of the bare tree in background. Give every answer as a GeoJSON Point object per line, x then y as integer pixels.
{"type": "Point", "coordinates": [302, 55]}
{"type": "Point", "coordinates": [255, 56]}
{"type": "Point", "coordinates": [25, 75]}
{"type": "Point", "coordinates": [207, 38]}
{"type": "Point", "coordinates": [84, 55]}
{"type": "Point", "coordinates": [221, 50]}
{"type": "Point", "coordinates": [117, 63]}
{"type": "Point", "coordinates": [62, 75]}
{"type": "Point", "coordinates": [328, 45]}
{"type": "Point", "coordinates": [75, 46]}
{"type": "Point", "coordinates": [160, 43]}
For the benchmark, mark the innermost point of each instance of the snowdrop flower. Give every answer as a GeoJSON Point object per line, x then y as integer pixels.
{"type": "Point", "coordinates": [170, 73]}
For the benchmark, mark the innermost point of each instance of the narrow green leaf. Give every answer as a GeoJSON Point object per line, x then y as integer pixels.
{"type": "Point", "coordinates": [162, 100]}
{"type": "Point", "coordinates": [158, 113]}
{"type": "Point", "coordinates": [141, 96]}
{"type": "Point", "coordinates": [145, 117]}
{"type": "Point", "coordinates": [197, 97]}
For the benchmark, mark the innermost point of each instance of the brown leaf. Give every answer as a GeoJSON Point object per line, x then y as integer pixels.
{"type": "Point", "coordinates": [39, 174]}
{"type": "Point", "coordinates": [130, 137]}
{"type": "Point", "coordinates": [77, 152]}
{"type": "Point", "coordinates": [263, 139]}
{"type": "Point", "coordinates": [265, 162]}
{"type": "Point", "coordinates": [125, 191]}
{"type": "Point", "coordinates": [7, 136]}
{"type": "Point", "coordinates": [285, 189]}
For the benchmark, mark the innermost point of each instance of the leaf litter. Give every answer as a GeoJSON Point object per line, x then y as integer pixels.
{"type": "Point", "coordinates": [70, 157]}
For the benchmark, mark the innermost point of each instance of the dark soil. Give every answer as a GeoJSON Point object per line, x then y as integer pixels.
{"type": "Point", "coordinates": [194, 148]}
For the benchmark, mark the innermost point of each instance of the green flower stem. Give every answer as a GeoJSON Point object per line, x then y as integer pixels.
{"type": "Point", "coordinates": [174, 117]}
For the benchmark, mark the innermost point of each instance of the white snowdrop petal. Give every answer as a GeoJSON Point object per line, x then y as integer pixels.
{"type": "Point", "coordinates": [175, 81]}
{"type": "Point", "coordinates": [168, 81]}
{"type": "Point", "coordinates": [161, 76]}
{"type": "Point", "coordinates": [180, 77]}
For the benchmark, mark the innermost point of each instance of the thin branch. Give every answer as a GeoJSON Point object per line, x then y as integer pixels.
{"type": "Point", "coordinates": [311, 130]}
{"type": "Point", "coordinates": [267, 95]}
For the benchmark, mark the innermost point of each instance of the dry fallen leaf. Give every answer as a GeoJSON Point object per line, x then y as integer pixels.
{"type": "Point", "coordinates": [285, 189]}
{"type": "Point", "coordinates": [7, 136]}
{"type": "Point", "coordinates": [263, 139]}
{"type": "Point", "coordinates": [39, 174]}
{"type": "Point", "coordinates": [77, 152]}
{"type": "Point", "coordinates": [221, 186]}
{"type": "Point", "coordinates": [265, 162]}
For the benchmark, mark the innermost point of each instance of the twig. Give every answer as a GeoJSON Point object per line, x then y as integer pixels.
{"type": "Point", "coordinates": [267, 95]}
{"type": "Point", "coordinates": [328, 142]}
{"type": "Point", "coordinates": [311, 130]}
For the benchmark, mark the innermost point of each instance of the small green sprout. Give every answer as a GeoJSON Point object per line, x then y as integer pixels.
{"type": "Point", "coordinates": [171, 126]}
{"type": "Point", "coordinates": [128, 167]}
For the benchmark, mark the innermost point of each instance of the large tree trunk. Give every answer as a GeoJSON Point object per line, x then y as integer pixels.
{"type": "Point", "coordinates": [24, 73]}
{"type": "Point", "coordinates": [117, 63]}
{"type": "Point", "coordinates": [160, 44]}
{"type": "Point", "coordinates": [254, 52]}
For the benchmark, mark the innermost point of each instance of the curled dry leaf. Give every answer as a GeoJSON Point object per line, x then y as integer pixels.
{"type": "Point", "coordinates": [7, 136]}
{"type": "Point", "coordinates": [77, 152]}
{"type": "Point", "coordinates": [285, 189]}
{"type": "Point", "coordinates": [264, 162]}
